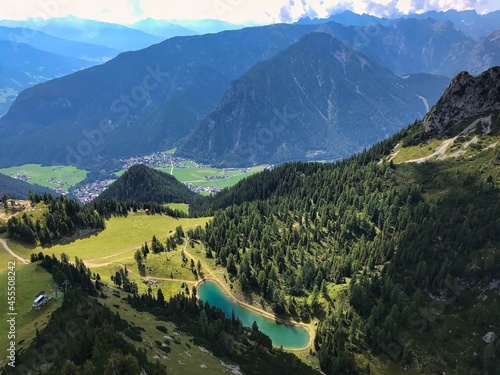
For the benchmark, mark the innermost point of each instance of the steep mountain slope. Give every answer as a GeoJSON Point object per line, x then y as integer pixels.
{"type": "Point", "coordinates": [317, 99]}
{"type": "Point", "coordinates": [143, 184]}
{"type": "Point", "coordinates": [467, 97]}
{"type": "Point", "coordinates": [414, 46]}
{"type": "Point", "coordinates": [149, 100]}
{"type": "Point", "coordinates": [22, 66]}
{"type": "Point", "coordinates": [155, 95]}
{"type": "Point", "coordinates": [397, 261]}
{"type": "Point", "coordinates": [484, 54]}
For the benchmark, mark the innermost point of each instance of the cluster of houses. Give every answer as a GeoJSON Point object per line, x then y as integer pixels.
{"type": "Point", "coordinates": [87, 192]}
{"type": "Point", "coordinates": [203, 189]}
{"type": "Point", "coordinates": [155, 160]}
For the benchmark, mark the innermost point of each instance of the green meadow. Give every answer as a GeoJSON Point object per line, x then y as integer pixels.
{"type": "Point", "coordinates": [122, 236]}
{"type": "Point", "coordinates": [30, 279]}
{"type": "Point", "coordinates": [198, 175]}
{"type": "Point", "coordinates": [69, 176]}
{"type": "Point", "coordinates": [104, 253]}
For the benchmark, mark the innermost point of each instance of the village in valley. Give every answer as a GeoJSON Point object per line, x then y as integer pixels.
{"type": "Point", "coordinates": [200, 178]}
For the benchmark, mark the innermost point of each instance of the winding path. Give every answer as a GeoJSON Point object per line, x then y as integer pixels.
{"type": "Point", "coordinates": [9, 250]}
{"type": "Point", "coordinates": [439, 153]}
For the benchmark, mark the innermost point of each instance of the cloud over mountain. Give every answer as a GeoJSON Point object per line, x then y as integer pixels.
{"type": "Point", "coordinates": [236, 11]}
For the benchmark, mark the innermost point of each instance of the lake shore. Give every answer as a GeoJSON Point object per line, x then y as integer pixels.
{"type": "Point", "coordinates": [261, 312]}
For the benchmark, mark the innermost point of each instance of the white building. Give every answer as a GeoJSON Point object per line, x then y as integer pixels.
{"type": "Point", "coordinates": [40, 300]}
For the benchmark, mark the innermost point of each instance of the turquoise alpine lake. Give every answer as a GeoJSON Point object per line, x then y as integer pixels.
{"type": "Point", "coordinates": [286, 335]}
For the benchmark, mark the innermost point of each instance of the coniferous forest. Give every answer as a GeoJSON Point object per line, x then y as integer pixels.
{"type": "Point", "coordinates": [409, 245]}
{"type": "Point", "coordinates": [410, 239]}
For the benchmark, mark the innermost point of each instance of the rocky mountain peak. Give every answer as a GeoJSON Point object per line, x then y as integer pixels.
{"type": "Point", "coordinates": [466, 96]}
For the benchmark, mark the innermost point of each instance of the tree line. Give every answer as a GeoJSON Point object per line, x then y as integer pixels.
{"type": "Point", "coordinates": [396, 234]}
{"type": "Point", "coordinates": [62, 218]}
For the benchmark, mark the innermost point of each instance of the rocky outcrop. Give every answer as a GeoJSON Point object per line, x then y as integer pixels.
{"type": "Point", "coordinates": [465, 97]}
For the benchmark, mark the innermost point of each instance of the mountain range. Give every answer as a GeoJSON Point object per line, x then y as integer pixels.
{"type": "Point", "coordinates": [389, 257]}
{"type": "Point", "coordinates": [114, 36]}
{"type": "Point", "coordinates": [470, 22]}
{"type": "Point", "coordinates": [165, 95]}
{"type": "Point", "coordinates": [22, 66]}
{"type": "Point", "coordinates": [310, 101]}
{"type": "Point", "coordinates": [169, 29]}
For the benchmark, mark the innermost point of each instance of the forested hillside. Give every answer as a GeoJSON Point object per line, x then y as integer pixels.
{"type": "Point", "coordinates": [415, 242]}
{"type": "Point", "coordinates": [61, 217]}
{"type": "Point", "coordinates": [143, 184]}
{"type": "Point", "coordinates": [17, 189]}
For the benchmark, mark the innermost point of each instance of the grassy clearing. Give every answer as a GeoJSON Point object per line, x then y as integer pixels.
{"type": "Point", "coordinates": [122, 236]}
{"type": "Point", "coordinates": [171, 151]}
{"type": "Point", "coordinates": [106, 252]}
{"type": "Point", "coordinates": [416, 152]}
{"type": "Point", "coordinates": [30, 279]}
{"type": "Point", "coordinates": [179, 206]}
{"type": "Point", "coordinates": [198, 176]}
{"type": "Point", "coordinates": [45, 175]}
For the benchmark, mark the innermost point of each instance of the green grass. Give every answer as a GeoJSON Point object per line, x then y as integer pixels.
{"type": "Point", "coordinates": [104, 253]}
{"type": "Point", "coordinates": [38, 174]}
{"type": "Point", "coordinates": [171, 151]}
{"type": "Point", "coordinates": [30, 279]}
{"type": "Point", "coordinates": [123, 235]}
{"type": "Point", "coordinates": [198, 176]}
{"type": "Point", "coordinates": [179, 206]}
{"type": "Point", "coordinates": [416, 152]}
{"type": "Point", "coordinates": [108, 251]}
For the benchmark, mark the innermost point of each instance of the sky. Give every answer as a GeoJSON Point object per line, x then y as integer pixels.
{"type": "Point", "coordinates": [235, 11]}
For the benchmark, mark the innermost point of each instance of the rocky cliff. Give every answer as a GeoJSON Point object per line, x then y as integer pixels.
{"type": "Point", "coordinates": [465, 97]}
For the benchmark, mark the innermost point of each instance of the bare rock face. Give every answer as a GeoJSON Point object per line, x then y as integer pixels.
{"type": "Point", "coordinates": [465, 97]}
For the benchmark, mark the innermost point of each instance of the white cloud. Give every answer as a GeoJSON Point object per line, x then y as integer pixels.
{"type": "Point", "coordinates": [103, 10]}
{"type": "Point", "coordinates": [238, 11]}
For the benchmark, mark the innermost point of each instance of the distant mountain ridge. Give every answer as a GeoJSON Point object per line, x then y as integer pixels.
{"type": "Point", "coordinates": [318, 99]}
{"type": "Point", "coordinates": [108, 111]}
{"type": "Point", "coordinates": [469, 22]}
{"type": "Point", "coordinates": [22, 66]}
{"type": "Point", "coordinates": [185, 78]}
{"type": "Point", "coordinates": [61, 46]}
{"type": "Point", "coordinates": [171, 28]}
{"type": "Point", "coordinates": [106, 34]}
